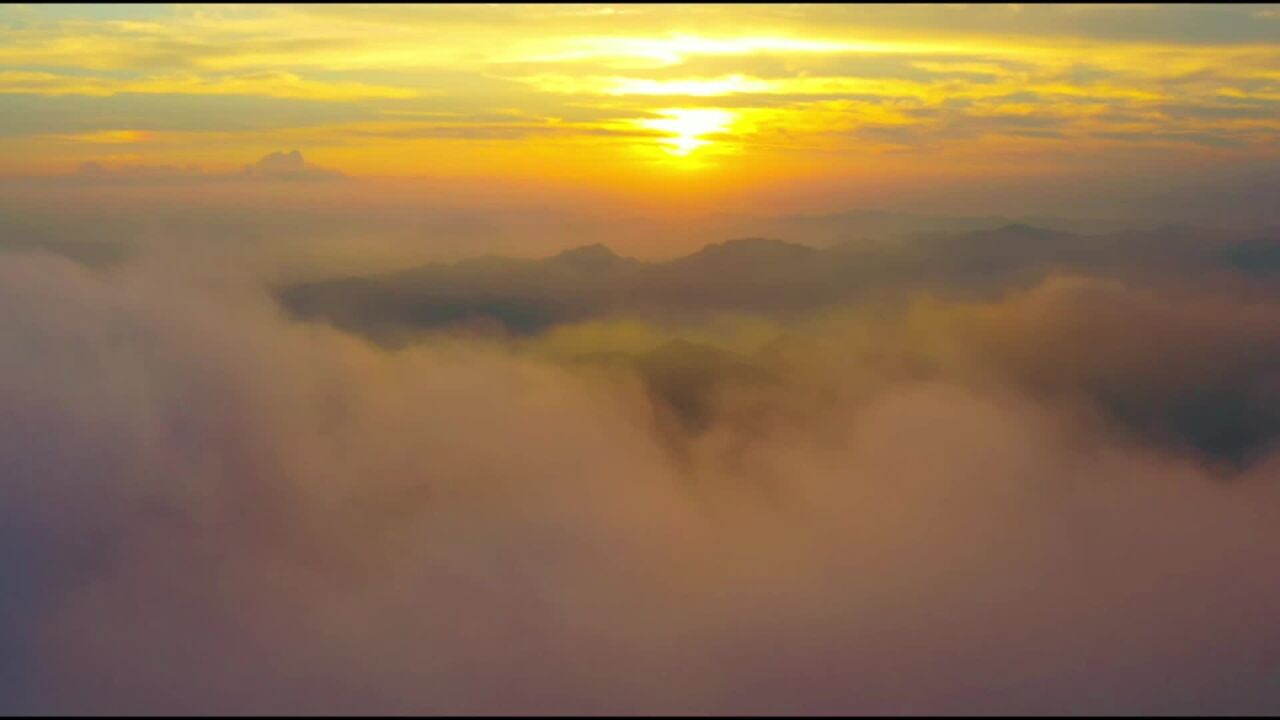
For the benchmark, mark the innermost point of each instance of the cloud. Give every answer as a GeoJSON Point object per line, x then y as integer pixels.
{"type": "Point", "coordinates": [27, 115]}
{"type": "Point", "coordinates": [484, 130]}
{"type": "Point", "coordinates": [288, 166]}
{"type": "Point", "coordinates": [236, 71]}
{"type": "Point", "coordinates": [208, 506]}
{"type": "Point", "coordinates": [96, 170]}
{"type": "Point", "coordinates": [277, 166]}
{"type": "Point", "coordinates": [275, 84]}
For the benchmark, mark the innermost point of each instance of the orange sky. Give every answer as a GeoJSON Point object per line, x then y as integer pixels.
{"type": "Point", "coordinates": [662, 104]}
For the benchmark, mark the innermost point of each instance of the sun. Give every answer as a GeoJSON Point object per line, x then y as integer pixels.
{"type": "Point", "coordinates": [686, 128]}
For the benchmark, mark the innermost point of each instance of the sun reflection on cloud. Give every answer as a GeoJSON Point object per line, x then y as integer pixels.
{"type": "Point", "coordinates": [694, 87]}
{"type": "Point", "coordinates": [687, 128]}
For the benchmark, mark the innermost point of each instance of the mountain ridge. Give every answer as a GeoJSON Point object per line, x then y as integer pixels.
{"type": "Point", "coordinates": [749, 274]}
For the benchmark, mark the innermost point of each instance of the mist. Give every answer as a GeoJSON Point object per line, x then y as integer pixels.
{"type": "Point", "coordinates": [1047, 489]}
{"type": "Point", "coordinates": [284, 217]}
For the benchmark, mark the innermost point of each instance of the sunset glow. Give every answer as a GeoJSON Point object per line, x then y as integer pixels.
{"type": "Point", "coordinates": [703, 360]}
{"type": "Point", "coordinates": [414, 91]}
{"type": "Point", "coordinates": [686, 129]}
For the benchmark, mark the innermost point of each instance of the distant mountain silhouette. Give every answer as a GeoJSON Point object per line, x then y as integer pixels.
{"type": "Point", "coordinates": [591, 258]}
{"type": "Point", "coordinates": [754, 274]}
{"type": "Point", "coordinates": [690, 383]}
{"type": "Point", "coordinates": [751, 252]}
{"type": "Point", "coordinates": [824, 230]}
{"type": "Point", "coordinates": [1260, 256]}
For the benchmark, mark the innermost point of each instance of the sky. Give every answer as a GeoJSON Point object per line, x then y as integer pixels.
{"type": "Point", "coordinates": [781, 108]}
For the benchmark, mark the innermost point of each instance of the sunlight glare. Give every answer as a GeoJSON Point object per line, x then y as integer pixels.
{"type": "Point", "coordinates": [688, 127]}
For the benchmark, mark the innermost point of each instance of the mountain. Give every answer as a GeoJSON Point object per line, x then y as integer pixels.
{"type": "Point", "coordinates": [590, 258]}
{"type": "Point", "coordinates": [826, 230]}
{"type": "Point", "coordinates": [753, 274]}
{"type": "Point", "coordinates": [746, 252]}
{"type": "Point", "coordinates": [1260, 256]}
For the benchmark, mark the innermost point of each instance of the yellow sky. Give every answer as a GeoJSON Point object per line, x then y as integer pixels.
{"type": "Point", "coordinates": [640, 98]}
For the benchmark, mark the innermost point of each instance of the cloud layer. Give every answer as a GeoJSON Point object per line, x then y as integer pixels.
{"type": "Point", "coordinates": [946, 505]}
{"type": "Point", "coordinates": [812, 94]}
